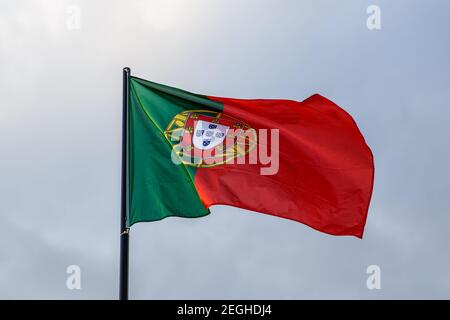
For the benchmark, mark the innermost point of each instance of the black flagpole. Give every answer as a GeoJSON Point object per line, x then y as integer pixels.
{"type": "Point", "coordinates": [124, 230]}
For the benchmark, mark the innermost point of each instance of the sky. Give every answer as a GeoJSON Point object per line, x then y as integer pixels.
{"type": "Point", "coordinates": [60, 140]}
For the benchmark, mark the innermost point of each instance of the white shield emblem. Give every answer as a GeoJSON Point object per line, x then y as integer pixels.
{"type": "Point", "coordinates": [208, 135]}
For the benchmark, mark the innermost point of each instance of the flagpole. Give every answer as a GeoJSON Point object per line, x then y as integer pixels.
{"type": "Point", "coordinates": [124, 230]}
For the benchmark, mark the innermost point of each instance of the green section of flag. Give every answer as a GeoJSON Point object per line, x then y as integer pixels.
{"type": "Point", "coordinates": [158, 188]}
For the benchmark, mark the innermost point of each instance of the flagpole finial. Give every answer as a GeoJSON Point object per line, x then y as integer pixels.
{"type": "Point", "coordinates": [127, 69]}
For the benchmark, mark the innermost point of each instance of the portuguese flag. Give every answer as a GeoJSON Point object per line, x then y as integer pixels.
{"type": "Point", "coordinates": [305, 161]}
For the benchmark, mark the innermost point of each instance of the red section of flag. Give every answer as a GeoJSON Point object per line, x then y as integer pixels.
{"type": "Point", "coordinates": [325, 174]}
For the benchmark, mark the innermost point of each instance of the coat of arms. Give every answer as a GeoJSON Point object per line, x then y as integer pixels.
{"type": "Point", "coordinates": [204, 138]}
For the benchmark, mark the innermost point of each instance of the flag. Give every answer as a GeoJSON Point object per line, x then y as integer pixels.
{"type": "Point", "coordinates": [305, 161]}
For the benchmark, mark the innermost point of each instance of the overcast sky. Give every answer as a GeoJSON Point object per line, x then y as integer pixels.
{"type": "Point", "coordinates": [60, 133]}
